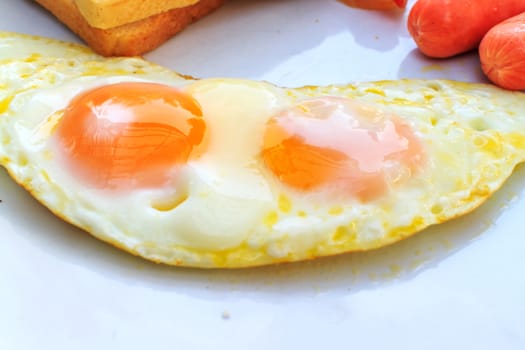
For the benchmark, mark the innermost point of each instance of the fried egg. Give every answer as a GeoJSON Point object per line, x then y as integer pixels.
{"type": "Point", "coordinates": [235, 173]}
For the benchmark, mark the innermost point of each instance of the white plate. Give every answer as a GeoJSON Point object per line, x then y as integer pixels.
{"type": "Point", "coordinates": [458, 285]}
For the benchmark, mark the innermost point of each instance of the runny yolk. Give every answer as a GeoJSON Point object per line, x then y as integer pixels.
{"type": "Point", "coordinates": [335, 142]}
{"type": "Point", "coordinates": [129, 135]}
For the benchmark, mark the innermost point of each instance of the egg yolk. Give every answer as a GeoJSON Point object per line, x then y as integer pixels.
{"type": "Point", "coordinates": [129, 135]}
{"type": "Point", "coordinates": [355, 148]}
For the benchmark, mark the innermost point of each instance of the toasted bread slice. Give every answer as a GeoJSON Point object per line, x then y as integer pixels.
{"type": "Point", "coordinates": [131, 39]}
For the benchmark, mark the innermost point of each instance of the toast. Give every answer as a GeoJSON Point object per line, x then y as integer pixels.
{"type": "Point", "coordinates": [133, 38]}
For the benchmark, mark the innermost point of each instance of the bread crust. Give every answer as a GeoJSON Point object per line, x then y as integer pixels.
{"type": "Point", "coordinates": [132, 39]}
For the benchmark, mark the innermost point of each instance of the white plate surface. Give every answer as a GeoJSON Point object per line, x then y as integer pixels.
{"type": "Point", "coordinates": [459, 285]}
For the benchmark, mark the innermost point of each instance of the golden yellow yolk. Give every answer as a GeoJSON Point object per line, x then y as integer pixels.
{"type": "Point", "coordinates": [331, 141]}
{"type": "Point", "coordinates": [129, 135]}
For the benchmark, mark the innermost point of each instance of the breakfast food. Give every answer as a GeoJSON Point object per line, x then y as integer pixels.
{"type": "Point", "coordinates": [444, 28]}
{"type": "Point", "coordinates": [235, 173]}
{"type": "Point", "coordinates": [502, 53]}
{"type": "Point", "coordinates": [127, 28]}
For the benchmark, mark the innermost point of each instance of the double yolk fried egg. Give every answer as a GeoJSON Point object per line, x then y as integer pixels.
{"type": "Point", "coordinates": [236, 173]}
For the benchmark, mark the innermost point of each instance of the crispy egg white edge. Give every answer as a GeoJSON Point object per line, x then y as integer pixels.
{"type": "Point", "coordinates": [344, 233]}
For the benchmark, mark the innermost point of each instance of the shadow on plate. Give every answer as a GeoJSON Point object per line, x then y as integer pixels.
{"type": "Point", "coordinates": [465, 67]}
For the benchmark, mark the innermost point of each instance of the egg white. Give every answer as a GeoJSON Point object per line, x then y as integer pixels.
{"type": "Point", "coordinates": [227, 209]}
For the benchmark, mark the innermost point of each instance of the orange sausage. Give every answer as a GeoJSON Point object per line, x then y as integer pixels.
{"type": "Point", "coordinates": [444, 28]}
{"type": "Point", "coordinates": [502, 53]}
{"type": "Point", "coordinates": [376, 4]}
